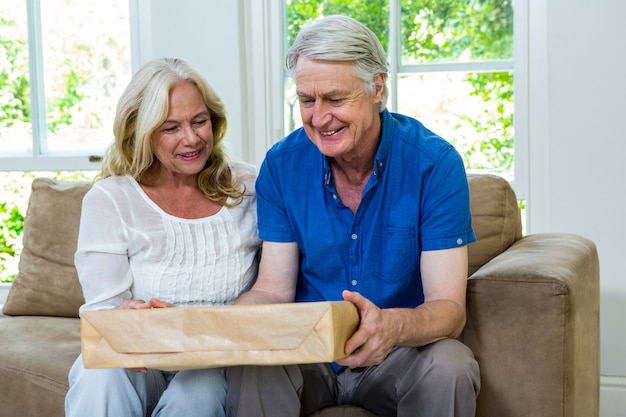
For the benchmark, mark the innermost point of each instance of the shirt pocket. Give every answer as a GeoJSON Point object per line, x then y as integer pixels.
{"type": "Point", "coordinates": [393, 253]}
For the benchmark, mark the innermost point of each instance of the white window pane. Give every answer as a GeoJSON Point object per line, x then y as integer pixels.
{"type": "Point", "coordinates": [15, 127]}
{"type": "Point", "coordinates": [86, 54]}
{"type": "Point", "coordinates": [456, 30]}
{"type": "Point", "coordinates": [476, 118]}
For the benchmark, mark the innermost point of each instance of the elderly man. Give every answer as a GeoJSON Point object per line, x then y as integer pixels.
{"type": "Point", "coordinates": [372, 207]}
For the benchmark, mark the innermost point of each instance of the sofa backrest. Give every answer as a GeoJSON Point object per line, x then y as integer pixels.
{"type": "Point", "coordinates": [47, 283]}
{"type": "Point", "coordinates": [496, 218]}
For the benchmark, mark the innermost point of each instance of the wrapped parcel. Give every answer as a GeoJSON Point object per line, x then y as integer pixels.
{"type": "Point", "coordinates": [205, 337]}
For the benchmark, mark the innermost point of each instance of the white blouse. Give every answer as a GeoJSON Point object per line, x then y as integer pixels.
{"type": "Point", "coordinates": [129, 248]}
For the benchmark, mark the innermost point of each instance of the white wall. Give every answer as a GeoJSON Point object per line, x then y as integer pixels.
{"type": "Point", "coordinates": [577, 149]}
{"type": "Point", "coordinates": [576, 100]}
{"type": "Point", "coordinates": [205, 33]}
{"type": "Point", "coordinates": [577, 183]}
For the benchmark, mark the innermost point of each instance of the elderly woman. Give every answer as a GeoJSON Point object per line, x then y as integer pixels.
{"type": "Point", "coordinates": [170, 222]}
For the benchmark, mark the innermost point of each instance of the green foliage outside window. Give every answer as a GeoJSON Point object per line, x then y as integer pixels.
{"type": "Point", "coordinates": [15, 109]}
{"type": "Point", "coordinates": [85, 72]}
{"type": "Point", "coordinates": [436, 31]}
{"type": "Point", "coordinates": [14, 97]}
{"type": "Point", "coordinates": [15, 189]}
{"type": "Point", "coordinates": [432, 31]}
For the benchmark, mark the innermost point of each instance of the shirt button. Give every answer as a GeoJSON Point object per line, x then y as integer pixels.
{"type": "Point", "coordinates": [353, 236]}
{"type": "Point", "coordinates": [335, 196]}
{"type": "Point", "coordinates": [459, 241]}
{"type": "Point", "coordinates": [353, 282]}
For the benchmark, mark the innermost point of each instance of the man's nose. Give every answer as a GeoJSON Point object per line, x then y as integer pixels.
{"type": "Point", "coordinates": [320, 113]}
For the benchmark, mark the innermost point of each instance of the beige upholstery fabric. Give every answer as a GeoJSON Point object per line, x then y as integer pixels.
{"type": "Point", "coordinates": [36, 354]}
{"type": "Point", "coordinates": [47, 283]}
{"type": "Point", "coordinates": [533, 325]}
{"type": "Point", "coordinates": [532, 312]}
{"type": "Point", "coordinates": [496, 218]}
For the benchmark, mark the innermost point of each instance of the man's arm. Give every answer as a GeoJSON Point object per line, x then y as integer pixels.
{"type": "Point", "coordinates": [278, 274]}
{"type": "Point", "coordinates": [444, 279]}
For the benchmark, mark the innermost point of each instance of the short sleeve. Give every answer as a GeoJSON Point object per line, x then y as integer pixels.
{"type": "Point", "coordinates": [446, 220]}
{"type": "Point", "coordinates": [273, 220]}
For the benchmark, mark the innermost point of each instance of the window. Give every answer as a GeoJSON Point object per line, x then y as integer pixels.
{"type": "Point", "coordinates": [450, 66]}
{"type": "Point", "coordinates": [64, 64]}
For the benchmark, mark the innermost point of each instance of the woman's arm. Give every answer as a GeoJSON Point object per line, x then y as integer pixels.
{"type": "Point", "coordinates": [101, 257]}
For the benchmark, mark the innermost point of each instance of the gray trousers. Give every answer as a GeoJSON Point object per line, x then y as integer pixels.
{"type": "Point", "coordinates": [438, 380]}
{"type": "Point", "coordinates": [123, 393]}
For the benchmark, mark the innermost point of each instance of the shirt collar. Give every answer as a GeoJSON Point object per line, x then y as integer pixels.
{"type": "Point", "coordinates": [382, 155]}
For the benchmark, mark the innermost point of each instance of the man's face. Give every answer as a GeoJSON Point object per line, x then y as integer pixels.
{"type": "Point", "coordinates": [337, 114]}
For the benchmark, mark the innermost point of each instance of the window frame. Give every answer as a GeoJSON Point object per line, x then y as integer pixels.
{"type": "Point", "coordinates": [274, 16]}
{"type": "Point", "coordinates": [264, 48]}
{"type": "Point", "coordinates": [39, 158]}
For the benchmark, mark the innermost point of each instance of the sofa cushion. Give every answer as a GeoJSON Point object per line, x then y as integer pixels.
{"type": "Point", "coordinates": [496, 218]}
{"type": "Point", "coordinates": [47, 283]}
{"type": "Point", "coordinates": [36, 354]}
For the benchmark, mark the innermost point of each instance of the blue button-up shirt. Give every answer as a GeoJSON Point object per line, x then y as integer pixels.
{"type": "Point", "coordinates": [417, 199]}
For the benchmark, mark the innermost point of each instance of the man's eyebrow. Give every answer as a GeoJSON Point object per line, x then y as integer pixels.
{"type": "Point", "coordinates": [328, 94]}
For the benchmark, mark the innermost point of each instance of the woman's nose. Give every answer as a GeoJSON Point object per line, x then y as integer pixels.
{"type": "Point", "coordinates": [189, 135]}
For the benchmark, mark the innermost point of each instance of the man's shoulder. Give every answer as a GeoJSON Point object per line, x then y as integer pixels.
{"type": "Point", "coordinates": [295, 146]}
{"type": "Point", "coordinates": [414, 138]}
{"type": "Point", "coordinates": [414, 132]}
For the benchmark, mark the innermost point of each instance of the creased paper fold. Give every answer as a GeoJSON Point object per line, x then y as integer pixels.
{"type": "Point", "coordinates": [204, 337]}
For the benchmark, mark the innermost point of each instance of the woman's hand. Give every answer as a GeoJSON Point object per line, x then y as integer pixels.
{"type": "Point", "coordinates": [141, 304]}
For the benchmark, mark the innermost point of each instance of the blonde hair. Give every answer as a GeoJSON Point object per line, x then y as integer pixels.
{"type": "Point", "coordinates": [144, 106]}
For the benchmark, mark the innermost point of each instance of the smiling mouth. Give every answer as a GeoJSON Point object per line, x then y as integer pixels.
{"type": "Point", "coordinates": [190, 154]}
{"type": "Point", "coordinates": [331, 132]}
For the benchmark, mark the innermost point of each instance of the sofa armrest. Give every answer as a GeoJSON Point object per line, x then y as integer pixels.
{"type": "Point", "coordinates": [533, 324]}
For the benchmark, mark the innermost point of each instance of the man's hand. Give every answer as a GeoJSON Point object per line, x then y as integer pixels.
{"type": "Point", "coordinates": [374, 338]}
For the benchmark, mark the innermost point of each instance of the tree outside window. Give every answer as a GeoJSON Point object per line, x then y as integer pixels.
{"type": "Point", "coordinates": [63, 65]}
{"type": "Point", "coordinates": [454, 70]}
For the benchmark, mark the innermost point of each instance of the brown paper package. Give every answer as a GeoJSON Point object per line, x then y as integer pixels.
{"type": "Point", "coordinates": [205, 337]}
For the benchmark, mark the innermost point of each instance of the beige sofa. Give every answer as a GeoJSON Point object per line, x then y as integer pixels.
{"type": "Point", "coordinates": [532, 311]}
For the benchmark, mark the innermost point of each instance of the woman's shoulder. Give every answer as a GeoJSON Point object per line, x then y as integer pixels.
{"type": "Point", "coordinates": [243, 169]}
{"type": "Point", "coordinates": [244, 173]}
{"type": "Point", "coordinates": [113, 187]}
{"type": "Point", "coordinates": [113, 184]}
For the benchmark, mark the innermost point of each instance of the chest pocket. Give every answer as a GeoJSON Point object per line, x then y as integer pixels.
{"type": "Point", "coordinates": [393, 253]}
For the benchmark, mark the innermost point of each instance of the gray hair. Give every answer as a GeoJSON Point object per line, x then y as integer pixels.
{"type": "Point", "coordinates": [342, 38]}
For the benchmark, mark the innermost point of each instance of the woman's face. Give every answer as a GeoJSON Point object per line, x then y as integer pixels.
{"type": "Point", "coordinates": [184, 141]}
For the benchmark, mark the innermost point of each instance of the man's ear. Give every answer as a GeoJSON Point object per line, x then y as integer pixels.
{"type": "Point", "coordinates": [379, 85]}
